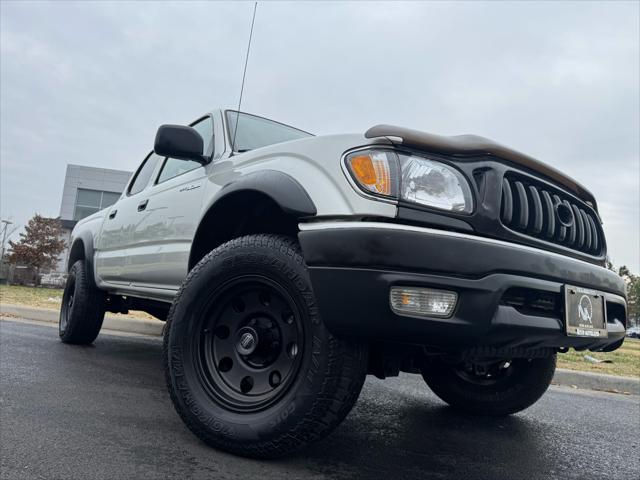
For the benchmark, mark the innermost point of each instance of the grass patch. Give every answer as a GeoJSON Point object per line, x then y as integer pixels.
{"type": "Point", "coordinates": [626, 360]}
{"type": "Point", "coordinates": [31, 297]}
{"type": "Point", "coordinates": [49, 298]}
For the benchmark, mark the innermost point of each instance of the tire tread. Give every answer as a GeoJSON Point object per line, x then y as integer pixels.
{"type": "Point", "coordinates": [343, 377]}
{"type": "Point", "coordinates": [85, 320]}
{"type": "Point", "coordinates": [464, 397]}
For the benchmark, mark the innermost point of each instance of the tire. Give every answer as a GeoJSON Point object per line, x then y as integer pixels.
{"type": "Point", "coordinates": [83, 308]}
{"type": "Point", "coordinates": [507, 391]}
{"type": "Point", "coordinates": [257, 287]}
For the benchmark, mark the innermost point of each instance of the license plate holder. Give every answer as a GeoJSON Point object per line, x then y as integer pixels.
{"type": "Point", "coordinates": [585, 313]}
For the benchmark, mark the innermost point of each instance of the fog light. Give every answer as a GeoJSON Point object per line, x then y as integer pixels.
{"type": "Point", "coordinates": [422, 302]}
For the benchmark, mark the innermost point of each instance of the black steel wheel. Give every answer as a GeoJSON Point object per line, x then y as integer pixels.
{"type": "Point", "coordinates": [248, 343]}
{"type": "Point", "coordinates": [83, 307]}
{"type": "Point", "coordinates": [250, 366]}
{"type": "Point", "coordinates": [493, 387]}
{"type": "Point", "coordinates": [67, 303]}
{"type": "Point", "coordinates": [487, 373]}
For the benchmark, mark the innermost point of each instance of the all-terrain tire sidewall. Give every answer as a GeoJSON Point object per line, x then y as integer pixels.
{"type": "Point", "coordinates": [84, 318]}
{"type": "Point", "coordinates": [330, 375]}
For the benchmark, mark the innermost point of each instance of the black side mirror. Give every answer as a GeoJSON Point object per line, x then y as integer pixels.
{"type": "Point", "coordinates": [178, 141]}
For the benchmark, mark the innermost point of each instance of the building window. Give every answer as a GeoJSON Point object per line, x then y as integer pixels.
{"type": "Point", "coordinates": [92, 201]}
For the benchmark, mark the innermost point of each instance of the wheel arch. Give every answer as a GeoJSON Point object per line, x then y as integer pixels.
{"type": "Point", "coordinates": [283, 189]}
{"type": "Point", "coordinates": [82, 249]}
{"type": "Point", "coordinates": [260, 202]}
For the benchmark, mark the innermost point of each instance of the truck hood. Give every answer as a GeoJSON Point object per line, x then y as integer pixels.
{"type": "Point", "coordinates": [475, 145]}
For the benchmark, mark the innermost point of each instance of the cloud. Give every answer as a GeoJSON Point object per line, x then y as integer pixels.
{"type": "Point", "coordinates": [90, 82]}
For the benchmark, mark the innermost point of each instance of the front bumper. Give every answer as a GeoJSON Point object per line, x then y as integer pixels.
{"type": "Point", "coordinates": [353, 265]}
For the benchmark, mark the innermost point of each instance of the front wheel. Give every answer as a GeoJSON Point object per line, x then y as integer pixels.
{"type": "Point", "coordinates": [490, 387]}
{"type": "Point", "coordinates": [249, 364]}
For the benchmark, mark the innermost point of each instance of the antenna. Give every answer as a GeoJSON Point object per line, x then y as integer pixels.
{"type": "Point", "coordinates": [244, 74]}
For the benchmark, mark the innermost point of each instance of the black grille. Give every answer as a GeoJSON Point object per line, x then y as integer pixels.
{"type": "Point", "coordinates": [532, 208]}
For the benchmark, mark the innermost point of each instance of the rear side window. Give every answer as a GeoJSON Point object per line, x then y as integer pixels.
{"type": "Point", "coordinates": [143, 175]}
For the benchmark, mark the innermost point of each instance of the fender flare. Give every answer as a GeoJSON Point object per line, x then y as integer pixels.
{"type": "Point", "coordinates": [86, 237]}
{"type": "Point", "coordinates": [283, 189]}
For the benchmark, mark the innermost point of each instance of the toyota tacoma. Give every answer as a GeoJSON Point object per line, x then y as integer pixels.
{"type": "Point", "coordinates": [289, 266]}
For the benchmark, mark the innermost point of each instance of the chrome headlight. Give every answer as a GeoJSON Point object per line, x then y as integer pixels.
{"type": "Point", "coordinates": [434, 184]}
{"type": "Point", "coordinates": [414, 179]}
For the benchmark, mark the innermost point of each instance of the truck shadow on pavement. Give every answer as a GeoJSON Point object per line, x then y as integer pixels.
{"type": "Point", "coordinates": [423, 439]}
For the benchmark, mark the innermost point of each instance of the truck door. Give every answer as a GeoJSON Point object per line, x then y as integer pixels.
{"type": "Point", "coordinates": [161, 239]}
{"type": "Point", "coordinates": [115, 239]}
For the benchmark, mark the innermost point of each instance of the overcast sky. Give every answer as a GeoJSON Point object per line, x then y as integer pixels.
{"type": "Point", "coordinates": [89, 83]}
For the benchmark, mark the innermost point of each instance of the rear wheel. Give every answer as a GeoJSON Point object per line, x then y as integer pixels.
{"type": "Point", "coordinates": [490, 387]}
{"type": "Point", "coordinates": [249, 364]}
{"type": "Point", "coordinates": [82, 309]}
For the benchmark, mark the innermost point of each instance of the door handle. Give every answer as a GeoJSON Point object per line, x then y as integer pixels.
{"type": "Point", "coordinates": [112, 214]}
{"type": "Point", "coordinates": [142, 205]}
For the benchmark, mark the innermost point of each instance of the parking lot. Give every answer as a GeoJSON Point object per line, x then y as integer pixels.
{"type": "Point", "coordinates": [102, 412]}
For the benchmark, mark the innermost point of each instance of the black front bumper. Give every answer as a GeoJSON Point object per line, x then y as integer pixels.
{"type": "Point", "coordinates": [354, 265]}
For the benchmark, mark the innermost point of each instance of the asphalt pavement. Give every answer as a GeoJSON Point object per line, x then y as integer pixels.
{"type": "Point", "coordinates": [102, 412]}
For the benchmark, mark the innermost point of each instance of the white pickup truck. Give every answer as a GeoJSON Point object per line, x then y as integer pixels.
{"type": "Point", "coordinates": [289, 266]}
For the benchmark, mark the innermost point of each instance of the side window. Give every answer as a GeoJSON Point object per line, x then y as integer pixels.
{"type": "Point", "coordinates": [248, 132]}
{"type": "Point", "coordinates": [173, 167]}
{"type": "Point", "coordinates": [143, 175]}
{"type": "Point", "coordinates": [205, 128]}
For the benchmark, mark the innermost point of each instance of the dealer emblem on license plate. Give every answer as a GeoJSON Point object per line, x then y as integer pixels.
{"type": "Point", "coordinates": [585, 314]}
{"type": "Point", "coordinates": [585, 309]}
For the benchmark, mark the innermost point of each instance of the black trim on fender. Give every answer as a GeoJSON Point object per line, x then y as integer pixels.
{"type": "Point", "coordinates": [290, 196]}
{"type": "Point", "coordinates": [280, 200]}
{"type": "Point", "coordinates": [86, 237]}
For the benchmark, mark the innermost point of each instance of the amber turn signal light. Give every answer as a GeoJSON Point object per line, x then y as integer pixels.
{"type": "Point", "coordinates": [363, 169]}
{"type": "Point", "coordinates": [372, 170]}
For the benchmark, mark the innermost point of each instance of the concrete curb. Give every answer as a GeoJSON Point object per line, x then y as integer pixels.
{"type": "Point", "coordinates": [122, 323]}
{"type": "Point", "coordinates": [597, 381]}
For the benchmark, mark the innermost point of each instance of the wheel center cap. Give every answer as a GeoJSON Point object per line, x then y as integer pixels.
{"type": "Point", "coordinates": [247, 341]}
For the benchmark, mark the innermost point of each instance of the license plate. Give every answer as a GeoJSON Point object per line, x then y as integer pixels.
{"type": "Point", "coordinates": [585, 314]}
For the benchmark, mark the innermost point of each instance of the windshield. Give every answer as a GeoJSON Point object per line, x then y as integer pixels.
{"type": "Point", "coordinates": [255, 132]}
